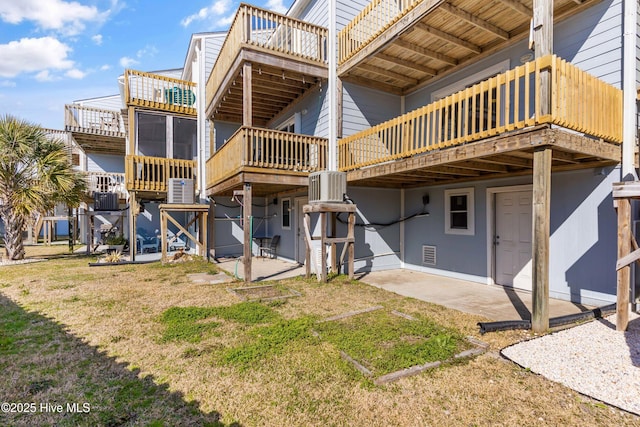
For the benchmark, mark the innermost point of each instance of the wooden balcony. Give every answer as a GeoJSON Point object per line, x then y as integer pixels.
{"type": "Point", "coordinates": [288, 58]}
{"type": "Point", "coordinates": [106, 182]}
{"type": "Point", "coordinates": [96, 130]}
{"type": "Point", "coordinates": [156, 92]}
{"type": "Point", "coordinates": [491, 130]}
{"type": "Point", "coordinates": [274, 161]}
{"type": "Point", "coordinates": [400, 45]}
{"type": "Point", "coordinates": [152, 174]}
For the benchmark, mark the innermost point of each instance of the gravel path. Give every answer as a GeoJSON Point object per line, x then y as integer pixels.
{"type": "Point", "coordinates": [593, 359]}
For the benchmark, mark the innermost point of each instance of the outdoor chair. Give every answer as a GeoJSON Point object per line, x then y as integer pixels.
{"type": "Point", "coordinates": [146, 242]}
{"type": "Point", "coordinates": [270, 250]}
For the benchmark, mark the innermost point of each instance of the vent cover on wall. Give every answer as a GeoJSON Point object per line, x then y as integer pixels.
{"type": "Point", "coordinates": [429, 255]}
{"type": "Point", "coordinates": [181, 190]}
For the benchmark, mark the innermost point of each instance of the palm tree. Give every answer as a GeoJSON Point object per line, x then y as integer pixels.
{"type": "Point", "coordinates": [35, 174]}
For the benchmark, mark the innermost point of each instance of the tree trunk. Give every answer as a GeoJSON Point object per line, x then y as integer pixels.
{"type": "Point", "coordinates": [13, 242]}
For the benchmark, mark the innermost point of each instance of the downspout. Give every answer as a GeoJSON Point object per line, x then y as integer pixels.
{"type": "Point", "coordinates": [201, 122]}
{"type": "Point", "coordinates": [331, 88]}
{"type": "Point", "coordinates": [629, 91]}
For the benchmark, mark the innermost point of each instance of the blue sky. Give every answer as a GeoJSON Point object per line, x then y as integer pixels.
{"type": "Point", "coordinates": [53, 52]}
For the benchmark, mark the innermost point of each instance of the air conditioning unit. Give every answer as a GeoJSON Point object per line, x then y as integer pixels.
{"type": "Point", "coordinates": [327, 186]}
{"type": "Point", "coordinates": [105, 201]}
{"type": "Point", "coordinates": [181, 190]}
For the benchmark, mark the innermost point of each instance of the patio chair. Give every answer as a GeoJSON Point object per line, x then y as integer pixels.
{"type": "Point", "coordinates": [146, 242]}
{"type": "Point", "coordinates": [175, 243]}
{"type": "Point", "coordinates": [270, 250]}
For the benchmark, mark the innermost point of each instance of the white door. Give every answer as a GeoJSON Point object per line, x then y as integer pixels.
{"type": "Point", "coordinates": [512, 240]}
{"type": "Point", "coordinates": [299, 218]}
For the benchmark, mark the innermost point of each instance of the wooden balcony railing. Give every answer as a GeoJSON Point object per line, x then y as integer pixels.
{"type": "Point", "coordinates": [270, 31]}
{"type": "Point", "coordinates": [505, 102]}
{"type": "Point", "coordinates": [159, 92]}
{"type": "Point", "coordinates": [106, 182]}
{"type": "Point", "coordinates": [268, 149]}
{"type": "Point", "coordinates": [373, 20]}
{"type": "Point", "coordinates": [153, 173]}
{"type": "Point", "coordinates": [97, 121]}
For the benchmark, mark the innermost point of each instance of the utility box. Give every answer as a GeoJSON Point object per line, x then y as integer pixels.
{"type": "Point", "coordinates": [181, 190]}
{"type": "Point", "coordinates": [327, 187]}
{"type": "Point", "coordinates": [105, 201]}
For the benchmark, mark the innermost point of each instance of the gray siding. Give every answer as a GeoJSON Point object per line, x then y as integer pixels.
{"type": "Point", "coordinates": [582, 245]}
{"type": "Point", "coordinates": [212, 46]}
{"type": "Point", "coordinates": [592, 40]}
{"type": "Point", "coordinates": [364, 107]}
{"type": "Point", "coordinates": [105, 163]}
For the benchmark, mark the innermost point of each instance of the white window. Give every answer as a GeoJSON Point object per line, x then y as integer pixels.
{"type": "Point", "coordinates": [285, 212]}
{"type": "Point", "coordinates": [459, 211]}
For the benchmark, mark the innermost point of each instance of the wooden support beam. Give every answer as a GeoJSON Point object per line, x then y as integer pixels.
{"type": "Point", "coordinates": [247, 112]}
{"type": "Point", "coordinates": [133, 235]}
{"type": "Point", "coordinates": [450, 38]}
{"type": "Point", "coordinates": [407, 64]}
{"type": "Point", "coordinates": [543, 45]}
{"type": "Point", "coordinates": [247, 217]}
{"type": "Point", "coordinates": [540, 239]}
{"type": "Point", "coordinates": [624, 273]}
{"type": "Point", "coordinates": [518, 7]}
{"type": "Point", "coordinates": [388, 73]}
{"type": "Point", "coordinates": [426, 52]}
{"type": "Point", "coordinates": [475, 21]}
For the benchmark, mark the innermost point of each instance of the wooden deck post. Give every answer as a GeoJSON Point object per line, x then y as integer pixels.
{"type": "Point", "coordinates": [540, 238]}
{"type": "Point", "coordinates": [247, 111]}
{"type": "Point", "coordinates": [308, 240]}
{"type": "Point", "coordinates": [624, 273]}
{"type": "Point", "coordinates": [133, 238]}
{"type": "Point", "coordinates": [247, 217]}
{"type": "Point", "coordinates": [543, 45]}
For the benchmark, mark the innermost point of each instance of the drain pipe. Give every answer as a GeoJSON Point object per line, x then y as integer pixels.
{"type": "Point", "coordinates": [554, 322]}
{"type": "Point", "coordinates": [629, 91]}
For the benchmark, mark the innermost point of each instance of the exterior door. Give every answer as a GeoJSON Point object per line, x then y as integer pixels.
{"type": "Point", "coordinates": [299, 218]}
{"type": "Point", "coordinates": [512, 240]}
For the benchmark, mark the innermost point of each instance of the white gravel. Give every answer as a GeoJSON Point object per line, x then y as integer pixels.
{"type": "Point", "coordinates": [593, 359]}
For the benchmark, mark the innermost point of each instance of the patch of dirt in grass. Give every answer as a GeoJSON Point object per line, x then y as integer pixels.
{"type": "Point", "coordinates": [103, 347]}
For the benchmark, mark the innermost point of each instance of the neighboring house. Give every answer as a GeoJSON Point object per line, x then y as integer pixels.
{"type": "Point", "coordinates": [441, 124]}
{"type": "Point", "coordinates": [97, 127]}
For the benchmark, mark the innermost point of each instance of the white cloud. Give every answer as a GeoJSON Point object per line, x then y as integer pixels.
{"type": "Point", "coordinates": [126, 62]}
{"type": "Point", "coordinates": [31, 55]}
{"type": "Point", "coordinates": [147, 51]}
{"type": "Point", "coordinates": [276, 6]}
{"type": "Point", "coordinates": [105, 67]}
{"type": "Point", "coordinates": [97, 39]}
{"type": "Point", "coordinates": [74, 73]}
{"type": "Point", "coordinates": [69, 18]}
{"type": "Point", "coordinates": [44, 76]}
{"type": "Point", "coordinates": [218, 8]}
{"type": "Point", "coordinates": [7, 83]}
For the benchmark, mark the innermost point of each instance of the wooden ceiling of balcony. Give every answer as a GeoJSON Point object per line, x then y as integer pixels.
{"type": "Point", "coordinates": [438, 37]}
{"type": "Point", "coordinates": [499, 157]}
{"type": "Point", "coordinates": [99, 144]}
{"type": "Point", "coordinates": [274, 88]}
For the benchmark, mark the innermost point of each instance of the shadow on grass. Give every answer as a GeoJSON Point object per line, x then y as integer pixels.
{"type": "Point", "coordinates": [50, 377]}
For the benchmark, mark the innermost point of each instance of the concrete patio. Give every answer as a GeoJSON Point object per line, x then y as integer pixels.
{"type": "Point", "coordinates": [492, 302]}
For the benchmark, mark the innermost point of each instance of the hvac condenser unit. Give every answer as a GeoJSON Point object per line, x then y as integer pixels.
{"type": "Point", "coordinates": [105, 201]}
{"type": "Point", "coordinates": [181, 190]}
{"type": "Point", "coordinates": [327, 186]}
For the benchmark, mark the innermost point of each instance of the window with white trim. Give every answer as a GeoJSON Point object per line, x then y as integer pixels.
{"type": "Point", "coordinates": [459, 211]}
{"type": "Point", "coordinates": [285, 213]}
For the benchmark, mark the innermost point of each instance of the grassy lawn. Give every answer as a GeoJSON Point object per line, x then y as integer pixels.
{"type": "Point", "coordinates": [142, 345]}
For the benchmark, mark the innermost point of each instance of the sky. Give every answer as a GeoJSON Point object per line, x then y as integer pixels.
{"type": "Point", "coordinates": [54, 52]}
